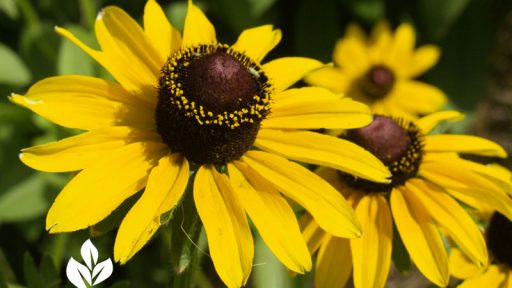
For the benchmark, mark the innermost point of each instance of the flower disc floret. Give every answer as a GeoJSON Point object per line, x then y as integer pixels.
{"type": "Point", "coordinates": [499, 237]}
{"type": "Point", "coordinates": [211, 102]}
{"type": "Point", "coordinates": [397, 143]}
{"type": "Point", "coordinates": [377, 82]}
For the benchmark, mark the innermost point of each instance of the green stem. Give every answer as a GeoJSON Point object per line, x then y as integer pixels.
{"type": "Point", "coordinates": [88, 11]}
{"type": "Point", "coordinates": [28, 11]}
{"type": "Point", "coordinates": [185, 234]}
{"type": "Point", "coordinates": [59, 246]}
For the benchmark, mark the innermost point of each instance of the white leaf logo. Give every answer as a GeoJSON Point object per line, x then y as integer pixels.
{"type": "Point", "coordinates": [89, 254]}
{"type": "Point", "coordinates": [102, 271]}
{"type": "Point", "coordinates": [92, 274]}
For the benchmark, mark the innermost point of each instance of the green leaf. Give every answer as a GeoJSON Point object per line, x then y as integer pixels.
{"type": "Point", "coordinates": [38, 48]}
{"type": "Point", "coordinates": [438, 16]}
{"type": "Point", "coordinates": [267, 270]}
{"type": "Point", "coordinates": [2, 282]}
{"type": "Point", "coordinates": [10, 285]}
{"type": "Point", "coordinates": [369, 11]}
{"type": "Point", "coordinates": [51, 131]}
{"type": "Point", "coordinates": [12, 71]}
{"type": "Point", "coordinates": [400, 256]}
{"type": "Point", "coordinates": [6, 272]}
{"type": "Point", "coordinates": [72, 60]}
{"type": "Point", "coordinates": [32, 276]}
{"type": "Point", "coordinates": [24, 201]}
{"type": "Point", "coordinates": [9, 7]}
{"type": "Point", "coordinates": [176, 13]}
{"type": "Point", "coordinates": [259, 7]}
{"type": "Point", "coordinates": [49, 273]}
{"type": "Point", "coordinates": [121, 284]}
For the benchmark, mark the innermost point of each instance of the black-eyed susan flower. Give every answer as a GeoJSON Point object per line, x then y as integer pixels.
{"type": "Point", "coordinates": [421, 201]}
{"type": "Point", "coordinates": [498, 274]}
{"type": "Point", "coordinates": [380, 70]}
{"type": "Point", "coordinates": [187, 105]}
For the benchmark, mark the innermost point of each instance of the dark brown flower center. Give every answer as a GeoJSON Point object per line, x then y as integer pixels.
{"type": "Point", "coordinates": [377, 82]}
{"type": "Point", "coordinates": [220, 82]}
{"type": "Point", "coordinates": [211, 102]}
{"type": "Point", "coordinates": [499, 238]}
{"type": "Point", "coordinates": [396, 143]}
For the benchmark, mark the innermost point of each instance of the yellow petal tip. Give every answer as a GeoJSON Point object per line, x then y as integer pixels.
{"type": "Point", "coordinates": [100, 15]}
{"type": "Point", "coordinates": [59, 29]}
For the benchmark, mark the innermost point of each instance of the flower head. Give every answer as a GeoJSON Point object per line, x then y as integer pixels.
{"type": "Point", "coordinates": [380, 70]}
{"type": "Point", "coordinates": [190, 105]}
{"type": "Point", "coordinates": [429, 176]}
{"type": "Point", "coordinates": [498, 273]}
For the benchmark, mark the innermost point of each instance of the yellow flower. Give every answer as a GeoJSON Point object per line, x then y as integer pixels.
{"type": "Point", "coordinates": [379, 71]}
{"type": "Point", "coordinates": [428, 179]}
{"type": "Point", "coordinates": [498, 274]}
{"type": "Point", "coordinates": [187, 104]}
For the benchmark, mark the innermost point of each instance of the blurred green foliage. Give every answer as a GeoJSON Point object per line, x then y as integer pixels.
{"type": "Point", "coordinates": [30, 50]}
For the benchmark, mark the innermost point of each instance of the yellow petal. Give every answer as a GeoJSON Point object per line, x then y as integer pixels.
{"type": "Point", "coordinates": [495, 276]}
{"type": "Point", "coordinates": [77, 152]}
{"type": "Point", "coordinates": [420, 236]}
{"type": "Point", "coordinates": [371, 253]}
{"type": "Point", "coordinates": [380, 29]}
{"type": "Point", "coordinates": [312, 233]}
{"type": "Point", "coordinates": [461, 266]}
{"type": "Point", "coordinates": [328, 207]}
{"type": "Point", "coordinates": [257, 42]}
{"type": "Point", "coordinates": [418, 97]}
{"type": "Point", "coordinates": [329, 77]}
{"type": "Point", "coordinates": [239, 221]}
{"type": "Point", "coordinates": [351, 55]}
{"type": "Point", "coordinates": [333, 177]}
{"type": "Point", "coordinates": [315, 108]}
{"type": "Point", "coordinates": [272, 216]}
{"type": "Point", "coordinates": [333, 264]}
{"type": "Point", "coordinates": [355, 31]}
{"type": "Point", "coordinates": [163, 36]}
{"type": "Point", "coordinates": [123, 40]}
{"type": "Point", "coordinates": [401, 49]}
{"type": "Point", "coordinates": [508, 282]}
{"type": "Point", "coordinates": [463, 144]}
{"type": "Point", "coordinates": [166, 184]}
{"type": "Point", "coordinates": [467, 187]}
{"type": "Point", "coordinates": [120, 34]}
{"type": "Point", "coordinates": [128, 73]}
{"type": "Point", "coordinates": [389, 106]}
{"type": "Point", "coordinates": [197, 28]}
{"type": "Point", "coordinates": [429, 122]}
{"type": "Point", "coordinates": [316, 148]}
{"type": "Point", "coordinates": [423, 59]}
{"type": "Point", "coordinates": [97, 190]}
{"type": "Point", "coordinates": [85, 103]}
{"type": "Point", "coordinates": [283, 72]}
{"type": "Point", "coordinates": [380, 40]}
{"type": "Point", "coordinates": [220, 225]}
{"type": "Point", "coordinates": [497, 174]}
{"type": "Point", "coordinates": [454, 220]}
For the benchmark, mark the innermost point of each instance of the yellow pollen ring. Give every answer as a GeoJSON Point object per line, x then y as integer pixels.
{"type": "Point", "coordinates": [171, 81]}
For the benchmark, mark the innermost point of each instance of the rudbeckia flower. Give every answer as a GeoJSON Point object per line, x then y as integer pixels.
{"type": "Point", "coordinates": [379, 70]}
{"type": "Point", "coordinates": [429, 178]}
{"type": "Point", "coordinates": [499, 273]}
{"type": "Point", "coordinates": [190, 105]}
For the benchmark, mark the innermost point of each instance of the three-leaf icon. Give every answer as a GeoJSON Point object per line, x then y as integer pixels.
{"type": "Point", "coordinates": [92, 274]}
